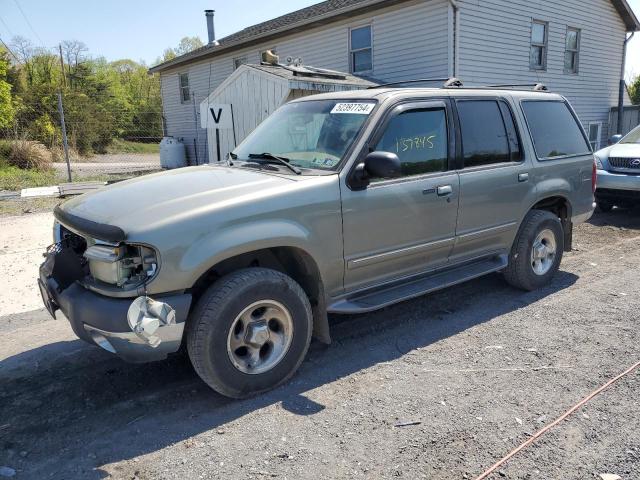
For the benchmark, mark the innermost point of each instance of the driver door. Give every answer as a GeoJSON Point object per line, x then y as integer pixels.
{"type": "Point", "coordinates": [403, 226]}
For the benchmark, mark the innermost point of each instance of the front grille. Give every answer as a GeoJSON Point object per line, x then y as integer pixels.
{"type": "Point", "coordinates": [632, 163]}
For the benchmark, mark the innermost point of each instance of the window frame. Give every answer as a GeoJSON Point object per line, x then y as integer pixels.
{"type": "Point", "coordinates": [599, 139]}
{"type": "Point", "coordinates": [576, 52]}
{"type": "Point", "coordinates": [381, 125]}
{"type": "Point", "coordinates": [244, 60]}
{"type": "Point", "coordinates": [182, 87]}
{"type": "Point", "coordinates": [576, 119]}
{"type": "Point", "coordinates": [352, 50]}
{"type": "Point", "coordinates": [544, 45]}
{"type": "Point", "coordinates": [500, 101]}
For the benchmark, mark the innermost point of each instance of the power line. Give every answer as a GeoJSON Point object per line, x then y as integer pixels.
{"type": "Point", "coordinates": [6, 26]}
{"type": "Point", "coordinates": [29, 23]}
{"type": "Point", "coordinates": [9, 50]}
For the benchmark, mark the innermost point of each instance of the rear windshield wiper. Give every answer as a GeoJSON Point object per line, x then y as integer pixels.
{"type": "Point", "coordinates": [281, 160]}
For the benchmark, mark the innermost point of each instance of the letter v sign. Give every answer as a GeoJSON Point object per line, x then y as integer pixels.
{"type": "Point", "coordinates": [216, 118]}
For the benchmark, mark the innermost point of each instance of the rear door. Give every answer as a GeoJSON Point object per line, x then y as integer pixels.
{"type": "Point", "coordinates": [495, 184]}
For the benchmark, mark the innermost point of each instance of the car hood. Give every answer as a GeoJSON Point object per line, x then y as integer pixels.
{"type": "Point", "coordinates": [624, 150]}
{"type": "Point", "coordinates": [138, 204]}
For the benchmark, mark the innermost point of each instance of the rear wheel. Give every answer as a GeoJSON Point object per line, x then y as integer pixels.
{"type": "Point", "coordinates": [249, 332]}
{"type": "Point", "coordinates": [537, 251]}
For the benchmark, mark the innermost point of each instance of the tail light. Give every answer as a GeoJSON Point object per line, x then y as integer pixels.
{"type": "Point", "coordinates": [594, 177]}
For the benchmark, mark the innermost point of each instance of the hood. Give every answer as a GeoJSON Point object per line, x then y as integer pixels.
{"type": "Point", "coordinates": [624, 150]}
{"type": "Point", "coordinates": [140, 203]}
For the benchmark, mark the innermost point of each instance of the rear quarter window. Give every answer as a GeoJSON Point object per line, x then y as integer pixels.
{"type": "Point", "coordinates": [554, 130]}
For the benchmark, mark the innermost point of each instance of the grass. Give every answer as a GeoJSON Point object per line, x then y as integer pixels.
{"type": "Point", "coordinates": [125, 146]}
{"type": "Point", "coordinates": [14, 178]}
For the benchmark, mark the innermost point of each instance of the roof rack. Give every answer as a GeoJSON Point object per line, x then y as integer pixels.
{"type": "Point", "coordinates": [454, 82]}
{"type": "Point", "coordinates": [537, 87]}
{"type": "Point", "coordinates": [448, 82]}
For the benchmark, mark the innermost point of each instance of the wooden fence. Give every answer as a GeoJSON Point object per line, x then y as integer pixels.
{"type": "Point", "coordinates": [630, 119]}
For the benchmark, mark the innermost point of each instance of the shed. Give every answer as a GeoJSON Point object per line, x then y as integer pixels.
{"type": "Point", "coordinates": [252, 92]}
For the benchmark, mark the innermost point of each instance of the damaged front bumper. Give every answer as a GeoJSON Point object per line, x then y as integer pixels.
{"type": "Point", "coordinates": [108, 322]}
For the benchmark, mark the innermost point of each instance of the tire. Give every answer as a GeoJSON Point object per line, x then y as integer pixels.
{"type": "Point", "coordinates": [604, 207]}
{"type": "Point", "coordinates": [232, 315]}
{"type": "Point", "coordinates": [529, 269]}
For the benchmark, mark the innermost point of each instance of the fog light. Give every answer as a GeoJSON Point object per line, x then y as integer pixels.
{"type": "Point", "coordinates": [146, 316]}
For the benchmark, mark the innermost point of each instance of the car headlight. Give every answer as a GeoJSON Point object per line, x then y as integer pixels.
{"type": "Point", "coordinates": [122, 265]}
{"type": "Point", "coordinates": [598, 160]}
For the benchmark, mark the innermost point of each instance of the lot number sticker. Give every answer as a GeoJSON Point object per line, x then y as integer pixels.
{"type": "Point", "coordinates": [359, 108]}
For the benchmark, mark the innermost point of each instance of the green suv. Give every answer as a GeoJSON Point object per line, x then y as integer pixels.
{"type": "Point", "coordinates": [338, 203]}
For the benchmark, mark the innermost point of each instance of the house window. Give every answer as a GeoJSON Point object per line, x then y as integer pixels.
{"type": "Point", "coordinates": [360, 49]}
{"type": "Point", "coordinates": [595, 132]}
{"type": "Point", "coordinates": [185, 95]}
{"type": "Point", "coordinates": [239, 61]}
{"type": "Point", "coordinates": [539, 41]}
{"type": "Point", "coordinates": [572, 50]}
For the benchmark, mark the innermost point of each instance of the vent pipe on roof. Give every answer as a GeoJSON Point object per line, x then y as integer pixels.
{"type": "Point", "coordinates": [210, 28]}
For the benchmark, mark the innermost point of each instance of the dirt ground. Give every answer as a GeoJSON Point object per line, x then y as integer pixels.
{"type": "Point", "coordinates": [476, 369]}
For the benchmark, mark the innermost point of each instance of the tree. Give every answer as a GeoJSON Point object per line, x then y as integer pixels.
{"type": "Point", "coordinates": [186, 45]}
{"type": "Point", "coordinates": [74, 53]}
{"type": "Point", "coordinates": [7, 111]}
{"type": "Point", "coordinates": [634, 91]}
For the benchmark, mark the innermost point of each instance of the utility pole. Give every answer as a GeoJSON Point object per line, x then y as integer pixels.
{"type": "Point", "coordinates": [64, 77]}
{"type": "Point", "coordinates": [65, 145]}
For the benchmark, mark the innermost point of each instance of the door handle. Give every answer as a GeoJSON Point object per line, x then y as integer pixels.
{"type": "Point", "coordinates": [523, 177]}
{"type": "Point", "coordinates": [444, 190]}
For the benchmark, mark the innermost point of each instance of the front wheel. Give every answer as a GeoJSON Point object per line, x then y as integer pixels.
{"type": "Point", "coordinates": [537, 251]}
{"type": "Point", "coordinates": [249, 332]}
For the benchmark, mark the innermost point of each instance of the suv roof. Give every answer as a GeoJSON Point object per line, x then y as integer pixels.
{"type": "Point", "coordinates": [382, 94]}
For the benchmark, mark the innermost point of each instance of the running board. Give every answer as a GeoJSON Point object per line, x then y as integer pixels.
{"type": "Point", "coordinates": [380, 297]}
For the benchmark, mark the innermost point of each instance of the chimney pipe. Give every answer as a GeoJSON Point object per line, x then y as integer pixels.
{"type": "Point", "coordinates": [210, 28]}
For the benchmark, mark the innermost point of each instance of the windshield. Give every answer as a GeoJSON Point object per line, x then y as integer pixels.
{"type": "Point", "coordinates": [632, 137]}
{"type": "Point", "coordinates": [309, 134]}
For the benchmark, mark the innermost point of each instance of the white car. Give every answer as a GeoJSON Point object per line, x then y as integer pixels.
{"type": "Point", "coordinates": [619, 172]}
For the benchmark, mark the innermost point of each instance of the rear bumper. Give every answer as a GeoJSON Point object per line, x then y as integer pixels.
{"type": "Point", "coordinates": [617, 181]}
{"type": "Point", "coordinates": [103, 320]}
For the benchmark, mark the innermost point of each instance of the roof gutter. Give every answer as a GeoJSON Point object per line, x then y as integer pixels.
{"type": "Point", "coordinates": [298, 26]}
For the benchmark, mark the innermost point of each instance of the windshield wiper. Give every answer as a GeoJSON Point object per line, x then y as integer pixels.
{"type": "Point", "coordinates": [281, 160]}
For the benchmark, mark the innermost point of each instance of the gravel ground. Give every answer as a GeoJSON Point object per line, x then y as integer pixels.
{"type": "Point", "coordinates": [474, 370]}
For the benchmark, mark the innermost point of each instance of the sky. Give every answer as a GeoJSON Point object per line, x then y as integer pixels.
{"type": "Point", "coordinates": [142, 29]}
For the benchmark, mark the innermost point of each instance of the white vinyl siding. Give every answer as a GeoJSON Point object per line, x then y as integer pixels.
{"type": "Point", "coordinates": [410, 42]}
{"type": "Point", "coordinates": [495, 44]}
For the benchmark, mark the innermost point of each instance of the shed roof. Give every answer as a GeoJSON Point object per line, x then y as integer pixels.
{"type": "Point", "coordinates": [318, 14]}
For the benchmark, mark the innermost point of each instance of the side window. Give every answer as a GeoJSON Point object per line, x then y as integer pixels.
{"type": "Point", "coordinates": [539, 44]}
{"type": "Point", "coordinates": [360, 42]}
{"type": "Point", "coordinates": [419, 138]}
{"type": "Point", "coordinates": [515, 148]}
{"type": "Point", "coordinates": [554, 129]}
{"type": "Point", "coordinates": [572, 50]}
{"type": "Point", "coordinates": [484, 135]}
{"type": "Point", "coordinates": [185, 95]}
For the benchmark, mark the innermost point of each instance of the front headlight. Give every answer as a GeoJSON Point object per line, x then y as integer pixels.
{"type": "Point", "coordinates": [122, 265]}
{"type": "Point", "coordinates": [598, 160]}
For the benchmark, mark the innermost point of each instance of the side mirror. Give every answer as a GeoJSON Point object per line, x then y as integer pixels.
{"type": "Point", "coordinates": [614, 139]}
{"type": "Point", "coordinates": [382, 165]}
{"type": "Point", "coordinates": [375, 165]}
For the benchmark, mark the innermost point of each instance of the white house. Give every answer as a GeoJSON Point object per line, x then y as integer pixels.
{"type": "Point", "coordinates": [575, 47]}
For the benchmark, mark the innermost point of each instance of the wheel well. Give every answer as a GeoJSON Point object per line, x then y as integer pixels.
{"type": "Point", "coordinates": [561, 208]}
{"type": "Point", "coordinates": [291, 261]}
